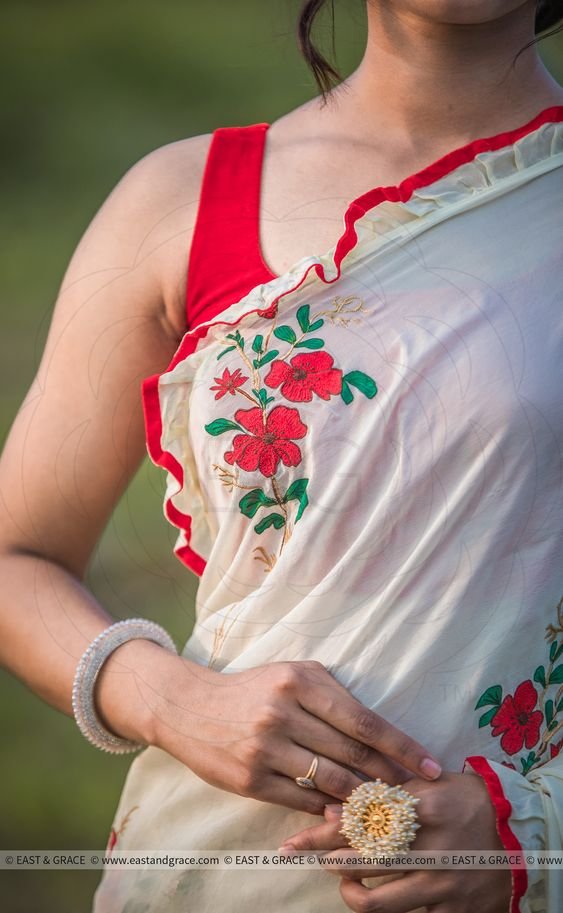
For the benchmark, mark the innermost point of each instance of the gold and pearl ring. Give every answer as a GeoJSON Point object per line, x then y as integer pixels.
{"type": "Point", "coordinates": [379, 820]}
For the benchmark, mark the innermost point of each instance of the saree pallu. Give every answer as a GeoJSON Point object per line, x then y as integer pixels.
{"type": "Point", "coordinates": [364, 462]}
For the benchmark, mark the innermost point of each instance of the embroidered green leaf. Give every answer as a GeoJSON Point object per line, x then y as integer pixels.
{"type": "Point", "coordinates": [297, 491]}
{"type": "Point", "coordinates": [257, 343]}
{"type": "Point", "coordinates": [487, 717]}
{"type": "Point", "coordinates": [559, 706]}
{"type": "Point", "coordinates": [310, 343]}
{"type": "Point", "coordinates": [553, 725]}
{"type": "Point", "coordinates": [527, 763]}
{"type": "Point", "coordinates": [285, 333]}
{"type": "Point", "coordinates": [556, 677]}
{"type": "Point", "coordinates": [237, 337]}
{"type": "Point", "coordinates": [559, 650]}
{"type": "Point", "coordinates": [346, 393]}
{"type": "Point", "coordinates": [303, 317]}
{"type": "Point", "coordinates": [262, 395]}
{"type": "Point", "coordinates": [258, 362]}
{"type": "Point", "coordinates": [549, 711]}
{"type": "Point", "coordinates": [224, 352]}
{"type": "Point", "coordinates": [492, 695]}
{"type": "Point", "coordinates": [539, 676]}
{"type": "Point", "coordinates": [253, 500]}
{"type": "Point", "coordinates": [220, 425]}
{"type": "Point", "coordinates": [276, 520]}
{"type": "Point", "coordinates": [364, 383]}
{"type": "Point", "coordinates": [553, 651]}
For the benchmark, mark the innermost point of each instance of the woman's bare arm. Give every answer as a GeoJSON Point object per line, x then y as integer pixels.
{"type": "Point", "coordinates": [76, 442]}
{"type": "Point", "coordinates": [79, 435]}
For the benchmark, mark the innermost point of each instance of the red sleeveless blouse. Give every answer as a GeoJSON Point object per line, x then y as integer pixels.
{"type": "Point", "coordinates": [227, 221]}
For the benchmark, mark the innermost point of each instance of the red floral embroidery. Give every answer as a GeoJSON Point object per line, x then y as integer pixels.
{"type": "Point", "coordinates": [115, 832]}
{"type": "Point", "coordinates": [300, 371]}
{"type": "Point", "coordinates": [517, 719]}
{"type": "Point", "coordinates": [269, 440]}
{"type": "Point", "coordinates": [555, 749]}
{"type": "Point", "coordinates": [112, 841]}
{"type": "Point", "coordinates": [304, 375]}
{"type": "Point", "coordinates": [526, 718]}
{"type": "Point", "coordinates": [228, 382]}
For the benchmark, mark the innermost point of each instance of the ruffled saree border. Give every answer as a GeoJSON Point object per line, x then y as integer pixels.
{"type": "Point", "coordinates": [503, 811]}
{"type": "Point", "coordinates": [289, 282]}
{"type": "Point", "coordinates": [401, 193]}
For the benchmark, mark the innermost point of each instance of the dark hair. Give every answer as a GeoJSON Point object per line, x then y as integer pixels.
{"type": "Point", "coordinates": [548, 14]}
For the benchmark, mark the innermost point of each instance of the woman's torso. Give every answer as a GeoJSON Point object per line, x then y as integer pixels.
{"type": "Point", "coordinates": [425, 567]}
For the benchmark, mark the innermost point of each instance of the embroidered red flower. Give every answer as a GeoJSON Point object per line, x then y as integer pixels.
{"type": "Point", "coordinates": [228, 382]}
{"type": "Point", "coordinates": [115, 832]}
{"type": "Point", "coordinates": [112, 841]}
{"type": "Point", "coordinates": [267, 442]}
{"type": "Point", "coordinates": [517, 719]}
{"type": "Point", "coordinates": [308, 373]}
{"type": "Point", "coordinates": [555, 749]}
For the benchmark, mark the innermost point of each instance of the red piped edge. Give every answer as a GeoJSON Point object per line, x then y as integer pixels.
{"type": "Point", "coordinates": [357, 208]}
{"type": "Point", "coordinates": [400, 193]}
{"type": "Point", "coordinates": [503, 810]}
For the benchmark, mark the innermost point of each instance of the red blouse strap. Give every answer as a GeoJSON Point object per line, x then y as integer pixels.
{"type": "Point", "coordinates": [225, 260]}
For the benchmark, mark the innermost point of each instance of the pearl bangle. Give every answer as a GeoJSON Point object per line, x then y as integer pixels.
{"type": "Point", "coordinates": [87, 671]}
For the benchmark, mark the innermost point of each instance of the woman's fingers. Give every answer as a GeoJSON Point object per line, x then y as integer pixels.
{"type": "Point", "coordinates": [330, 778]}
{"type": "Point", "coordinates": [323, 836]}
{"type": "Point", "coordinates": [323, 739]}
{"type": "Point", "coordinates": [254, 738]}
{"type": "Point", "coordinates": [330, 701]}
{"type": "Point", "coordinates": [340, 858]}
{"type": "Point", "coordinates": [282, 790]}
{"type": "Point", "coordinates": [346, 862]}
{"type": "Point", "coordinates": [410, 892]}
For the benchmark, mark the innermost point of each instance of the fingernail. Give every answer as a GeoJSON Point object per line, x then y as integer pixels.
{"type": "Point", "coordinates": [287, 849]}
{"type": "Point", "coordinates": [430, 768]}
{"type": "Point", "coordinates": [333, 810]}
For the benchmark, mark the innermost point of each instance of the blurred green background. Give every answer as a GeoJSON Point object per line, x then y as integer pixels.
{"type": "Point", "coordinates": [88, 90]}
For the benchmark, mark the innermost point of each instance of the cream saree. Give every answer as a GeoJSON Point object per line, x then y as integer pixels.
{"type": "Point", "coordinates": [364, 463]}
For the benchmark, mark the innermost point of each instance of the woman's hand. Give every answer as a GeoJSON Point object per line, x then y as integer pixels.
{"type": "Point", "coordinates": [253, 732]}
{"type": "Point", "coordinates": [455, 813]}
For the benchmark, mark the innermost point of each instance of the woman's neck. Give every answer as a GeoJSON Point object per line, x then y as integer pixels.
{"type": "Point", "coordinates": [421, 79]}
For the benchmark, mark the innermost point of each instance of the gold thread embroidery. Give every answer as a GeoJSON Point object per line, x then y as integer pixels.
{"type": "Point", "coordinates": [352, 304]}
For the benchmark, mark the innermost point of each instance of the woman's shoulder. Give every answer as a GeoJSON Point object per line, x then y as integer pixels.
{"type": "Point", "coordinates": [173, 167]}
{"type": "Point", "coordinates": [167, 179]}
{"type": "Point", "coordinates": [158, 199]}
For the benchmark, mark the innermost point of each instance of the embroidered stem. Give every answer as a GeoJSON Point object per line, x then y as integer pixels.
{"type": "Point", "coordinates": [230, 479]}
{"type": "Point", "coordinates": [253, 399]}
{"type": "Point", "coordinates": [547, 738]}
{"type": "Point", "coordinates": [553, 630]}
{"type": "Point", "coordinates": [251, 368]}
{"type": "Point", "coordinates": [220, 636]}
{"type": "Point", "coordinates": [268, 558]}
{"type": "Point", "coordinates": [283, 507]}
